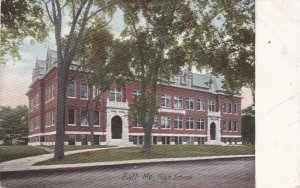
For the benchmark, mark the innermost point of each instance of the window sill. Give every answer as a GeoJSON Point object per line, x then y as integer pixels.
{"type": "Point", "coordinates": [178, 128]}
{"type": "Point", "coordinates": [166, 128]}
{"type": "Point", "coordinates": [71, 97]}
{"type": "Point", "coordinates": [84, 125]}
{"type": "Point", "coordinates": [72, 125]}
{"type": "Point", "coordinates": [84, 98]}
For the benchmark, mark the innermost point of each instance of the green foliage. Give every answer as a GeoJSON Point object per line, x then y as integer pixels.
{"type": "Point", "coordinates": [248, 125]}
{"type": "Point", "coordinates": [152, 31]}
{"type": "Point", "coordinates": [224, 41]}
{"type": "Point", "coordinates": [13, 123]}
{"type": "Point", "coordinates": [20, 19]}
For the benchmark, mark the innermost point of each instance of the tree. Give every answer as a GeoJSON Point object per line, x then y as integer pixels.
{"type": "Point", "coordinates": [100, 57]}
{"type": "Point", "coordinates": [13, 123]}
{"type": "Point", "coordinates": [224, 42]}
{"type": "Point", "coordinates": [248, 128]}
{"type": "Point", "coordinates": [152, 33]}
{"type": "Point", "coordinates": [20, 19]}
{"type": "Point", "coordinates": [82, 14]}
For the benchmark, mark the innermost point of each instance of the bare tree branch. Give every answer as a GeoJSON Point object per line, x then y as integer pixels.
{"type": "Point", "coordinates": [48, 12]}
{"type": "Point", "coordinates": [103, 8]}
{"type": "Point", "coordinates": [80, 34]}
{"type": "Point", "coordinates": [58, 10]}
{"type": "Point", "coordinates": [54, 12]}
{"type": "Point", "coordinates": [73, 25]}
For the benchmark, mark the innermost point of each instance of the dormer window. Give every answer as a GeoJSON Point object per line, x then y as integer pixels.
{"type": "Point", "coordinates": [177, 80]}
{"type": "Point", "coordinates": [189, 82]}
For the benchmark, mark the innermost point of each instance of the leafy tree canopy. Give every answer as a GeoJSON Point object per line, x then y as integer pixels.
{"type": "Point", "coordinates": [224, 41]}
{"type": "Point", "coordinates": [13, 123]}
{"type": "Point", "coordinates": [20, 19]}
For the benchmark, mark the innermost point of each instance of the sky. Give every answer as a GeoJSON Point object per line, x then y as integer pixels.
{"type": "Point", "coordinates": [15, 78]}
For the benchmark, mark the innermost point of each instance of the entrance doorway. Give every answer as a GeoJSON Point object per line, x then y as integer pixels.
{"type": "Point", "coordinates": [116, 127]}
{"type": "Point", "coordinates": [213, 131]}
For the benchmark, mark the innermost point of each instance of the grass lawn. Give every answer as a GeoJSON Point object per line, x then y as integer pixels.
{"type": "Point", "coordinates": [15, 152]}
{"type": "Point", "coordinates": [161, 151]}
{"type": "Point", "coordinates": [79, 147]}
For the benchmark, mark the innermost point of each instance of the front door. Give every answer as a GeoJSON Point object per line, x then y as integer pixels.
{"type": "Point", "coordinates": [212, 131]}
{"type": "Point", "coordinates": [116, 127]}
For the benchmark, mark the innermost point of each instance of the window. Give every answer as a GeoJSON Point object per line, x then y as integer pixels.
{"type": "Point", "coordinates": [136, 93]}
{"type": "Point", "coordinates": [235, 108]}
{"type": "Point", "coordinates": [115, 95]}
{"type": "Point", "coordinates": [96, 118]}
{"type": "Point", "coordinates": [224, 108]}
{"type": "Point", "coordinates": [190, 140]}
{"type": "Point", "coordinates": [212, 106]}
{"type": "Point", "coordinates": [229, 126]}
{"type": "Point", "coordinates": [72, 139]}
{"type": "Point", "coordinates": [49, 118]}
{"type": "Point", "coordinates": [165, 101]}
{"type": "Point", "coordinates": [36, 122]}
{"type": "Point", "coordinates": [154, 140]}
{"type": "Point", "coordinates": [165, 139]}
{"type": "Point", "coordinates": [165, 122]}
{"type": "Point", "coordinates": [230, 108]}
{"type": "Point", "coordinates": [72, 89]}
{"type": "Point", "coordinates": [201, 140]}
{"type": "Point", "coordinates": [138, 140]}
{"type": "Point", "coordinates": [178, 122]}
{"type": "Point", "coordinates": [71, 117]}
{"type": "Point", "coordinates": [84, 140]}
{"type": "Point", "coordinates": [235, 126]}
{"type": "Point", "coordinates": [49, 93]}
{"type": "Point", "coordinates": [201, 124]}
{"type": "Point", "coordinates": [190, 103]}
{"type": "Point", "coordinates": [178, 102]}
{"type": "Point", "coordinates": [83, 91]}
{"type": "Point", "coordinates": [155, 122]}
{"type": "Point", "coordinates": [177, 80]}
{"type": "Point", "coordinates": [189, 123]}
{"type": "Point", "coordinates": [96, 92]}
{"type": "Point", "coordinates": [201, 104]}
{"type": "Point", "coordinates": [84, 117]}
{"type": "Point", "coordinates": [224, 126]}
{"type": "Point", "coordinates": [136, 122]}
{"type": "Point", "coordinates": [189, 82]}
{"type": "Point", "coordinates": [178, 140]}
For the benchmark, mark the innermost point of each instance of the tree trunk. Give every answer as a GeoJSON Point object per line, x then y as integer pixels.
{"type": "Point", "coordinates": [61, 111]}
{"type": "Point", "coordinates": [148, 137]}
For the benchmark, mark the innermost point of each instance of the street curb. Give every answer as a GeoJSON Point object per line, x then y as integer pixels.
{"type": "Point", "coordinates": [93, 166]}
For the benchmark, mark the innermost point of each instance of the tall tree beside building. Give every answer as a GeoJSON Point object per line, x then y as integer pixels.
{"type": "Point", "coordinates": [20, 19]}
{"type": "Point", "coordinates": [13, 123]}
{"type": "Point", "coordinates": [224, 41]}
{"type": "Point", "coordinates": [104, 61]}
{"type": "Point", "coordinates": [152, 33]}
{"type": "Point", "coordinates": [82, 14]}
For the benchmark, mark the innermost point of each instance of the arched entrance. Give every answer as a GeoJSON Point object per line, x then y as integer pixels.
{"type": "Point", "coordinates": [213, 131]}
{"type": "Point", "coordinates": [116, 127]}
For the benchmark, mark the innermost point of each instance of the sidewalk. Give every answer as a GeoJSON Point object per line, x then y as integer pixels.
{"type": "Point", "coordinates": [26, 164]}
